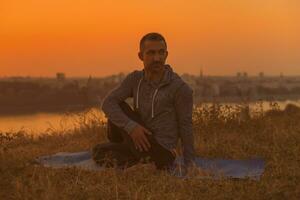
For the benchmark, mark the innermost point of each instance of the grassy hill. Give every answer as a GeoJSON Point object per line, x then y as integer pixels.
{"type": "Point", "coordinates": [220, 132]}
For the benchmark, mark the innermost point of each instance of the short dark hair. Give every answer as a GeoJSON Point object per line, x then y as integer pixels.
{"type": "Point", "coordinates": [152, 36]}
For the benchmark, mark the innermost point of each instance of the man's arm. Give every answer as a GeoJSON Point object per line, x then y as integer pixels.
{"type": "Point", "coordinates": [184, 109]}
{"type": "Point", "coordinates": [111, 108]}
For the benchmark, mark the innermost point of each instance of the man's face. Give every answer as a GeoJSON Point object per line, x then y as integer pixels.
{"type": "Point", "coordinates": [154, 54]}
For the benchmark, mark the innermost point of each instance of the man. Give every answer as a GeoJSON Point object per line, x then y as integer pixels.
{"type": "Point", "coordinates": [162, 112]}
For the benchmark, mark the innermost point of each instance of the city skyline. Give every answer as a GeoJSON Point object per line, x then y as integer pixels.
{"type": "Point", "coordinates": [201, 73]}
{"type": "Point", "coordinates": [100, 38]}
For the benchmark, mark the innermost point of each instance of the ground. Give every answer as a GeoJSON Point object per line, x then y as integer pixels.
{"type": "Point", "coordinates": [219, 132]}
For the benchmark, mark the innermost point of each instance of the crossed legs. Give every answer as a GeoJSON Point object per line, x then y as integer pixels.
{"type": "Point", "coordinates": [121, 151]}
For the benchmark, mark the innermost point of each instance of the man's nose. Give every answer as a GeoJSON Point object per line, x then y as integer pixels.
{"type": "Point", "coordinates": [157, 57]}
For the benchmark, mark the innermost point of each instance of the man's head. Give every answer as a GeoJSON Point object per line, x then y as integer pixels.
{"type": "Point", "coordinates": [153, 52]}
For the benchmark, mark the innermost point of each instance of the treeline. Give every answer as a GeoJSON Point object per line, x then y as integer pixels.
{"type": "Point", "coordinates": [32, 96]}
{"type": "Point", "coordinates": [53, 94]}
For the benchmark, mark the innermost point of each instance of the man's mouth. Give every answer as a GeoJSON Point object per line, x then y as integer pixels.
{"type": "Point", "coordinates": [156, 64]}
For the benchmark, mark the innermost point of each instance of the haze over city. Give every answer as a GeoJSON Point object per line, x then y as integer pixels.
{"type": "Point", "coordinates": [99, 38]}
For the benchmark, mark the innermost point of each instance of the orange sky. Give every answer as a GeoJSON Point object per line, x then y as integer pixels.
{"type": "Point", "coordinates": [100, 37]}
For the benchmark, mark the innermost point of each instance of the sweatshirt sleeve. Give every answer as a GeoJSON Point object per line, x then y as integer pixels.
{"type": "Point", "coordinates": [184, 109]}
{"type": "Point", "coordinates": [111, 108]}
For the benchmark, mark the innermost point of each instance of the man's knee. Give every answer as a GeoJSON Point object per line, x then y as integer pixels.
{"type": "Point", "coordinates": [126, 108]}
{"type": "Point", "coordinates": [129, 112]}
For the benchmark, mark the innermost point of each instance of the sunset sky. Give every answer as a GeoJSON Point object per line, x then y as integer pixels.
{"type": "Point", "coordinates": [101, 37]}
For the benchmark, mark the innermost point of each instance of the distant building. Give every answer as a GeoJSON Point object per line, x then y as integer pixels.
{"type": "Point", "coordinates": [60, 76]}
{"type": "Point", "coordinates": [261, 75]}
{"type": "Point", "coordinates": [281, 75]}
{"type": "Point", "coordinates": [242, 76]}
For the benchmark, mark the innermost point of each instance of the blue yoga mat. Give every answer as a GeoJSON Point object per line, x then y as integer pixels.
{"type": "Point", "coordinates": [216, 168]}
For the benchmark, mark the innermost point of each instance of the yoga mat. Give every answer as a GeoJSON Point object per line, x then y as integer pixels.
{"type": "Point", "coordinates": [217, 168]}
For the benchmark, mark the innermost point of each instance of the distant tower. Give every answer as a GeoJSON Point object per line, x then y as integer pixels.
{"type": "Point", "coordinates": [201, 73]}
{"type": "Point", "coordinates": [89, 82]}
{"type": "Point", "coordinates": [281, 80]}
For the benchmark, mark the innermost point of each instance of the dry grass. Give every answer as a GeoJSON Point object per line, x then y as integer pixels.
{"type": "Point", "coordinates": [220, 132]}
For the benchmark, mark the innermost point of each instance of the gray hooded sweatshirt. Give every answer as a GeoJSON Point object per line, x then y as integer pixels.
{"type": "Point", "coordinates": [165, 108]}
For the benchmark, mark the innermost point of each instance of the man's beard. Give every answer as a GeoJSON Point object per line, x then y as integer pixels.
{"type": "Point", "coordinates": [157, 68]}
{"type": "Point", "coordinates": [156, 64]}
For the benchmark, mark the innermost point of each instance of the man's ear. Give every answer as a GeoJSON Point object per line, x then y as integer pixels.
{"type": "Point", "coordinates": [140, 54]}
{"type": "Point", "coordinates": [167, 53]}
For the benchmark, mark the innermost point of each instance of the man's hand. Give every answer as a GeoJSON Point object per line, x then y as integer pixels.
{"type": "Point", "coordinates": [139, 138]}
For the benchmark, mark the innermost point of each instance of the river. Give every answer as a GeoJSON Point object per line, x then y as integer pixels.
{"type": "Point", "coordinates": [44, 122]}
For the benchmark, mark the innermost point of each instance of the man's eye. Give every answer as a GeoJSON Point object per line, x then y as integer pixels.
{"type": "Point", "coordinates": [150, 52]}
{"type": "Point", "coordinates": [162, 52]}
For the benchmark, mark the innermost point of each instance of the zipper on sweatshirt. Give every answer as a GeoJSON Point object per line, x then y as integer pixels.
{"type": "Point", "coordinates": [152, 106]}
{"type": "Point", "coordinates": [137, 94]}
{"type": "Point", "coordinates": [153, 98]}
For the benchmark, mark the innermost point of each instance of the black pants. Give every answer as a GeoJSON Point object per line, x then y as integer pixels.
{"type": "Point", "coordinates": [121, 151]}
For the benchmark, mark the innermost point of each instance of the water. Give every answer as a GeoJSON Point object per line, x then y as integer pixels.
{"type": "Point", "coordinates": [42, 122]}
{"type": "Point", "coordinates": [39, 123]}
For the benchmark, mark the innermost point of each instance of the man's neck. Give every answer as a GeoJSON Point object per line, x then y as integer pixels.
{"type": "Point", "coordinates": [155, 77]}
